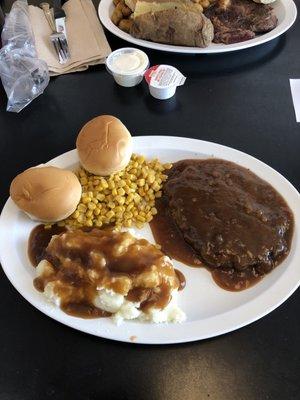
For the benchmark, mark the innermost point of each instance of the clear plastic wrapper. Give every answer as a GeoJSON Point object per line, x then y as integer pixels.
{"type": "Point", "coordinates": [23, 75]}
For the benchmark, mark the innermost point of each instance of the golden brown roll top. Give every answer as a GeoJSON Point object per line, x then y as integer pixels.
{"type": "Point", "coordinates": [47, 194]}
{"type": "Point", "coordinates": [104, 145]}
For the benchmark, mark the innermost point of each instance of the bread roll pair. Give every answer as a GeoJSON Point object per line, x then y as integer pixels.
{"type": "Point", "coordinates": [51, 194]}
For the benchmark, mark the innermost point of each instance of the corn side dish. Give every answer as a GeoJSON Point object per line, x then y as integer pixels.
{"type": "Point", "coordinates": [124, 199]}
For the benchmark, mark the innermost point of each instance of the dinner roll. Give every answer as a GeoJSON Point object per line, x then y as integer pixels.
{"type": "Point", "coordinates": [104, 145]}
{"type": "Point", "coordinates": [47, 194]}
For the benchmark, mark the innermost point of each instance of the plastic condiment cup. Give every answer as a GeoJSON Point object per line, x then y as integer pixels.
{"type": "Point", "coordinates": [127, 66]}
{"type": "Point", "coordinates": [163, 81]}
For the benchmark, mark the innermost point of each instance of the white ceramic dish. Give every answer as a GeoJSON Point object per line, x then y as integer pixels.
{"type": "Point", "coordinates": [285, 11]}
{"type": "Point", "coordinates": [210, 310]}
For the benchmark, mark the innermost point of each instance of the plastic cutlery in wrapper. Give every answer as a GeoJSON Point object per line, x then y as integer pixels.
{"type": "Point", "coordinates": [23, 75]}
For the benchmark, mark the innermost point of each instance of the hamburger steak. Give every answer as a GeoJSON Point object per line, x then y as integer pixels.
{"type": "Point", "coordinates": [232, 219]}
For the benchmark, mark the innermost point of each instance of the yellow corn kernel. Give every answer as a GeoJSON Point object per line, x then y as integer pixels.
{"type": "Point", "coordinates": [86, 199]}
{"type": "Point", "coordinates": [89, 213]}
{"type": "Point", "coordinates": [110, 214]}
{"type": "Point", "coordinates": [100, 196]}
{"type": "Point", "coordinates": [96, 211]}
{"type": "Point", "coordinates": [103, 183]}
{"type": "Point", "coordinates": [130, 197]}
{"type": "Point", "coordinates": [83, 180]}
{"type": "Point", "coordinates": [141, 192]}
{"type": "Point", "coordinates": [128, 214]}
{"type": "Point", "coordinates": [141, 182]}
{"type": "Point", "coordinates": [82, 207]}
{"type": "Point", "coordinates": [129, 207]}
{"type": "Point", "coordinates": [153, 211]}
{"type": "Point", "coordinates": [141, 159]}
{"type": "Point", "coordinates": [149, 217]}
{"type": "Point", "coordinates": [151, 179]}
{"type": "Point", "coordinates": [120, 199]}
{"type": "Point", "coordinates": [167, 166]}
{"type": "Point", "coordinates": [155, 186]}
{"type": "Point", "coordinates": [111, 185]}
{"type": "Point", "coordinates": [128, 223]}
{"type": "Point", "coordinates": [111, 204]}
{"type": "Point", "coordinates": [81, 218]}
{"type": "Point", "coordinates": [121, 183]}
{"type": "Point", "coordinates": [132, 177]}
{"type": "Point", "coordinates": [91, 206]}
{"type": "Point", "coordinates": [75, 214]}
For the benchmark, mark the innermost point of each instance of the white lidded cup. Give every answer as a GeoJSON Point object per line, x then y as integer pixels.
{"type": "Point", "coordinates": [127, 65]}
{"type": "Point", "coordinates": [163, 81]}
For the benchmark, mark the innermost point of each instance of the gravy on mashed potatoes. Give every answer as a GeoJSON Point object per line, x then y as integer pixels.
{"type": "Point", "coordinates": [95, 273]}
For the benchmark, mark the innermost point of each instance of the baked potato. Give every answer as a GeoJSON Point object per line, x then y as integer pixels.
{"type": "Point", "coordinates": [174, 26]}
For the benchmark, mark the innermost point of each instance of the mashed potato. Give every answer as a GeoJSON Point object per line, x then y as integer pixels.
{"type": "Point", "coordinates": [109, 273]}
{"type": "Point", "coordinates": [122, 309]}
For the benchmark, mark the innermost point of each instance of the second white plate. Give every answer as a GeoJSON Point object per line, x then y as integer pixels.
{"type": "Point", "coordinates": [285, 10]}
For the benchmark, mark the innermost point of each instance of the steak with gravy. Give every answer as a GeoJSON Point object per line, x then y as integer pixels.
{"type": "Point", "coordinates": [236, 223]}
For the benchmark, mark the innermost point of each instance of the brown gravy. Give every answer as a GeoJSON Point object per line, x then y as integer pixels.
{"type": "Point", "coordinates": [181, 279]}
{"type": "Point", "coordinates": [38, 241]}
{"type": "Point", "coordinates": [82, 260]}
{"type": "Point", "coordinates": [168, 236]}
{"type": "Point", "coordinates": [233, 223]}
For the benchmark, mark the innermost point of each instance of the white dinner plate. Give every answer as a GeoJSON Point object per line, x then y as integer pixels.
{"type": "Point", "coordinates": [210, 310]}
{"type": "Point", "coordinates": [285, 10]}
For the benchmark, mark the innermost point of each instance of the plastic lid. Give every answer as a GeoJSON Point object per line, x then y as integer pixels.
{"type": "Point", "coordinates": [127, 61]}
{"type": "Point", "coordinates": [163, 76]}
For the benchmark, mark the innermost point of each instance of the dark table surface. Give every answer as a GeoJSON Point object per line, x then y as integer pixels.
{"type": "Point", "coordinates": [241, 100]}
